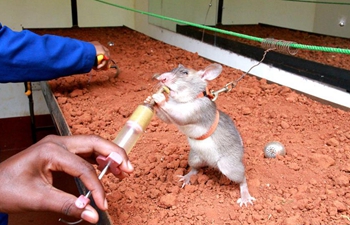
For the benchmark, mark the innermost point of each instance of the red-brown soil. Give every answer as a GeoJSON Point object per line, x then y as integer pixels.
{"type": "Point", "coordinates": [310, 185]}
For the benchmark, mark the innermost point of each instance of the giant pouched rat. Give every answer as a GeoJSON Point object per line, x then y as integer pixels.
{"type": "Point", "coordinates": [212, 135]}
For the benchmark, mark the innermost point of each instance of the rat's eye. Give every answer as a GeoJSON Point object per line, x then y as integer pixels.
{"type": "Point", "coordinates": [180, 71]}
{"type": "Point", "coordinates": [184, 72]}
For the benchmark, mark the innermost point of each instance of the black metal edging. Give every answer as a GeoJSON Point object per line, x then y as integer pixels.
{"type": "Point", "coordinates": [74, 13]}
{"type": "Point", "coordinates": [63, 130]}
{"type": "Point", "coordinates": [316, 71]}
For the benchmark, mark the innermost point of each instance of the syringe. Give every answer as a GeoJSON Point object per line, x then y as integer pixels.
{"type": "Point", "coordinates": [136, 125]}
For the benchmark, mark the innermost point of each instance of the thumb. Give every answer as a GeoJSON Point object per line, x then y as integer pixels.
{"type": "Point", "coordinates": [89, 214]}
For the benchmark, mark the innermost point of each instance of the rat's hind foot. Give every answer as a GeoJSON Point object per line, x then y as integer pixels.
{"type": "Point", "coordinates": [245, 200]}
{"type": "Point", "coordinates": [187, 178]}
{"type": "Point", "coordinates": [245, 196]}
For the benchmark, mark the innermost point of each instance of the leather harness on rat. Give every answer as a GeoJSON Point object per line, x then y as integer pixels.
{"type": "Point", "coordinates": [206, 93]}
{"type": "Point", "coordinates": [211, 130]}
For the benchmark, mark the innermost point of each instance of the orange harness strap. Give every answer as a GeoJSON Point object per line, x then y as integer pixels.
{"type": "Point", "coordinates": [205, 93]}
{"type": "Point", "coordinates": [212, 128]}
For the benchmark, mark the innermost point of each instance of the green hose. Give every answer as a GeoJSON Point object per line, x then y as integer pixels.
{"type": "Point", "coordinates": [244, 36]}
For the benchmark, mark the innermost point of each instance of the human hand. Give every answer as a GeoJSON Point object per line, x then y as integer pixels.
{"type": "Point", "coordinates": [26, 178]}
{"type": "Point", "coordinates": [102, 50]}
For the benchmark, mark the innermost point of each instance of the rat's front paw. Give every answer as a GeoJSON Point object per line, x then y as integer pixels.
{"type": "Point", "coordinates": [159, 98]}
{"type": "Point", "coordinates": [148, 100]}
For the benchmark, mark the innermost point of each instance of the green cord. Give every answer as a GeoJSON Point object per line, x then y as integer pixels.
{"type": "Point", "coordinates": [244, 36]}
{"type": "Point", "coordinates": [320, 48]}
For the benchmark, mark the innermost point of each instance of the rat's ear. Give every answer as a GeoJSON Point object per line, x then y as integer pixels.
{"type": "Point", "coordinates": [211, 72]}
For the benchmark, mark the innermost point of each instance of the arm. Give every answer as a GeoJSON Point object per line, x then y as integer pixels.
{"type": "Point", "coordinates": [177, 113]}
{"type": "Point", "coordinates": [26, 178]}
{"type": "Point", "coordinates": [26, 56]}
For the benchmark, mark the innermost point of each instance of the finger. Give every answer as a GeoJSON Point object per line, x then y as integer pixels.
{"type": "Point", "coordinates": [103, 65]}
{"type": "Point", "coordinates": [58, 159]}
{"type": "Point", "coordinates": [88, 144]}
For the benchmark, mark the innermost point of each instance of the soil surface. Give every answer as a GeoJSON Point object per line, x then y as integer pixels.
{"type": "Point", "coordinates": [309, 185]}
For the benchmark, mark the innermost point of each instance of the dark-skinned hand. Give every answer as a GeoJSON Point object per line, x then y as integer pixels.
{"type": "Point", "coordinates": [26, 178]}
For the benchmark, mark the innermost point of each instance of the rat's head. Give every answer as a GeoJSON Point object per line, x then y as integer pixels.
{"type": "Point", "coordinates": [185, 84]}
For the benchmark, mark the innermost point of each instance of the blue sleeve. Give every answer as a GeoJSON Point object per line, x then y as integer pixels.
{"type": "Point", "coordinates": [3, 219]}
{"type": "Point", "coordinates": [26, 56]}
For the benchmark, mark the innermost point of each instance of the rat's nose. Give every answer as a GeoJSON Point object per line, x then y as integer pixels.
{"type": "Point", "coordinates": [164, 77]}
{"type": "Point", "coordinates": [159, 77]}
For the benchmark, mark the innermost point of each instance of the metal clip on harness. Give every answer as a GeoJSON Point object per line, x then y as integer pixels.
{"type": "Point", "coordinates": [228, 87]}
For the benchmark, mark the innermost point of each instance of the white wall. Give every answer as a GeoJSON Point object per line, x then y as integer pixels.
{"type": "Point", "coordinates": [195, 11]}
{"type": "Point", "coordinates": [310, 17]}
{"type": "Point", "coordinates": [96, 14]}
{"type": "Point", "coordinates": [327, 20]}
{"type": "Point", "coordinates": [294, 15]}
{"type": "Point", "coordinates": [299, 16]}
{"type": "Point", "coordinates": [35, 13]}
{"type": "Point", "coordinates": [236, 11]}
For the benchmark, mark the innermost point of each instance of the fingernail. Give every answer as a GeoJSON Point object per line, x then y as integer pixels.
{"type": "Point", "coordinates": [130, 166]}
{"type": "Point", "coordinates": [105, 204]}
{"type": "Point", "coordinates": [88, 215]}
